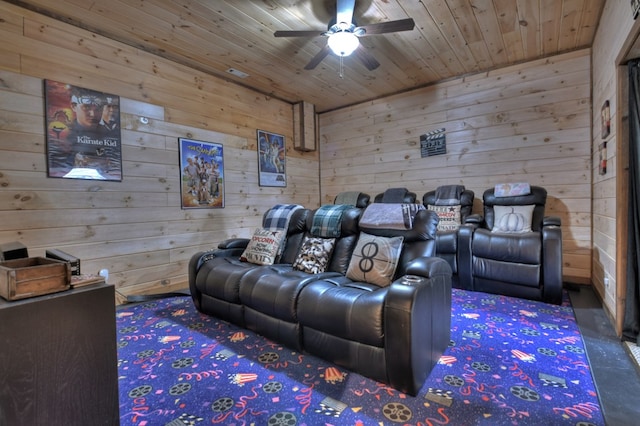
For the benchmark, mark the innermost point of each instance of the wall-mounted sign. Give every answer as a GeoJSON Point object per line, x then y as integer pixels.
{"type": "Point", "coordinates": [433, 143]}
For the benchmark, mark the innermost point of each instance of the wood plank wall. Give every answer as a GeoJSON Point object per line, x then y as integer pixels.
{"type": "Point", "coordinates": [135, 228]}
{"type": "Point", "coordinates": [615, 32]}
{"type": "Point", "coordinates": [525, 123]}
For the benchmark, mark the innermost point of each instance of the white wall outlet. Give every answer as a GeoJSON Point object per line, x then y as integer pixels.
{"type": "Point", "coordinates": [606, 282]}
{"type": "Point", "coordinates": [104, 273]}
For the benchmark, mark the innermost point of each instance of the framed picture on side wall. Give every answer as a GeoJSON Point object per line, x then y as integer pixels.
{"type": "Point", "coordinates": [272, 166]}
{"type": "Point", "coordinates": [83, 133]}
{"type": "Point", "coordinates": [201, 174]}
{"type": "Point", "coordinates": [605, 115]}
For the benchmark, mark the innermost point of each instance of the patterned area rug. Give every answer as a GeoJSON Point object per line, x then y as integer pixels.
{"type": "Point", "coordinates": [510, 362]}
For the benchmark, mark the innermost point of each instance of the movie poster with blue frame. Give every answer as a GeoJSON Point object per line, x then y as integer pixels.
{"type": "Point", "coordinates": [201, 174]}
{"type": "Point", "coordinates": [272, 162]}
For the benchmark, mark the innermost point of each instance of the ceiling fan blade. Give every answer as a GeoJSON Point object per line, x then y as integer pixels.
{"type": "Point", "coordinates": [310, 33]}
{"type": "Point", "coordinates": [388, 27]}
{"type": "Point", "coordinates": [318, 58]}
{"type": "Point", "coordinates": [344, 11]}
{"type": "Point", "coordinates": [366, 58]}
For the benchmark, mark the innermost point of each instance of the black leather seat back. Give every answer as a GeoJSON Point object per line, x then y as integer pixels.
{"type": "Point", "coordinates": [362, 199]}
{"type": "Point", "coordinates": [466, 202]}
{"type": "Point", "coordinates": [346, 242]}
{"type": "Point", "coordinates": [537, 197]}
{"type": "Point", "coordinates": [419, 241]}
{"type": "Point", "coordinates": [396, 195]}
{"type": "Point", "coordinates": [295, 233]}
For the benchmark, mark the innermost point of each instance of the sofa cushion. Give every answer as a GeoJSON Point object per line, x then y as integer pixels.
{"type": "Point", "coordinates": [264, 246]}
{"type": "Point", "coordinates": [314, 254]}
{"type": "Point", "coordinates": [449, 216]}
{"type": "Point", "coordinates": [375, 259]}
{"type": "Point", "coordinates": [512, 219]}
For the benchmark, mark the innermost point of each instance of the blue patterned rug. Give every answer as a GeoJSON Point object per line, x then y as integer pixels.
{"type": "Point", "coordinates": [510, 362]}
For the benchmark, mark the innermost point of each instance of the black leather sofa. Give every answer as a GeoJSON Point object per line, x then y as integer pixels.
{"type": "Point", "coordinates": [394, 334]}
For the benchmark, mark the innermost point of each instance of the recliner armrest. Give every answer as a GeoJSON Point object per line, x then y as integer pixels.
{"type": "Point", "coordinates": [233, 243]}
{"type": "Point", "coordinates": [474, 219]}
{"type": "Point", "coordinates": [551, 220]}
{"type": "Point", "coordinates": [427, 267]}
{"type": "Point", "coordinates": [552, 258]}
{"type": "Point", "coordinates": [418, 312]}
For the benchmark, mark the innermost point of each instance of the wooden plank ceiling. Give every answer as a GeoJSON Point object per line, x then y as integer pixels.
{"type": "Point", "coordinates": [451, 38]}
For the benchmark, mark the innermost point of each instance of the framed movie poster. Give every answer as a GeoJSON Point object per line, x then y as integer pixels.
{"type": "Point", "coordinates": [272, 167]}
{"type": "Point", "coordinates": [605, 115]}
{"type": "Point", "coordinates": [83, 133]}
{"type": "Point", "coordinates": [201, 174]}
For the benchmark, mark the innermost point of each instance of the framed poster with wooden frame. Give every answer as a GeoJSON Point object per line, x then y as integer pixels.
{"type": "Point", "coordinates": [272, 166]}
{"type": "Point", "coordinates": [201, 174]}
{"type": "Point", "coordinates": [83, 133]}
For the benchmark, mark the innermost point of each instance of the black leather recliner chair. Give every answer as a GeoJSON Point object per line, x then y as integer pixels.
{"type": "Point", "coordinates": [524, 264]}
{"type": "Point", "coordinates": [447, 242]}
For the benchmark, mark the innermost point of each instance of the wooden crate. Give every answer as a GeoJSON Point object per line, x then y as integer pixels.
{"type": "Point", "coordinates": [33, 276]}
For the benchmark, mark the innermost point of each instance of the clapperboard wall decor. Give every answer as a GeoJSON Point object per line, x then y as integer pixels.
{"type": "Point", "coordinates": [433, 143]}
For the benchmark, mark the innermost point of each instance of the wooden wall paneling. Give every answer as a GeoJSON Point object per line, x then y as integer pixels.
{"type": "Point", "coordinates": [586, 31]}
{"type": "Point", "coordinates": [616, 33]}
{"type": "Point", "coordinates": [486, 16]}
{"type": "Point", "coordinates": [451, 38]}
{"type": "Point", "coordinates": [529, 122]}
{"type": "Point", "coordinates": [159, 77]}
{"type": "Point", "coordinates": [507, 16]}
{"type": "Point", "coordinates": [570, 27]}
{"type": "Point", "coordinates": [136, 227]}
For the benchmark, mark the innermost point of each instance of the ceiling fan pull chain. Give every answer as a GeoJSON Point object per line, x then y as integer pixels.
{"type": "Point", "coordinates": [341, 73]}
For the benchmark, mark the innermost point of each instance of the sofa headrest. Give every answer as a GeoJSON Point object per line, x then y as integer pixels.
{"type": "Point", "coordinates": [298, 221]}
{"type": "Point", "coordinates": [465, 199]}
{"type": "Point", "coordinates": [425, 224]}
{"type": "Point", "coordinates": [396, 195]}
{"type": "Point", "coordinates": [354, 198]}
{"type": "Point", "coordinates": [349, 225]}
{"type": "Point", "coordinates": [278, 216]}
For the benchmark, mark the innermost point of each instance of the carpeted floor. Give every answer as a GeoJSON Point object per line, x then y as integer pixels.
{"type": "Point", "coordinates": [510, 362]}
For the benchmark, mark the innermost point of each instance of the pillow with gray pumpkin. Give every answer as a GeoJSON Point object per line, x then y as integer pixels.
{"type": "Point", "coordinates": [512, 219]}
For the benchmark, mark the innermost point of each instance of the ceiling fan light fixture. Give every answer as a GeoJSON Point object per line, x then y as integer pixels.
{"type": "Point", "coordinates": [343, 43]}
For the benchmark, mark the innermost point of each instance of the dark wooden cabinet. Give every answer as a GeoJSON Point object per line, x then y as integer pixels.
{"type": "Point", "coordinates": [58, 359]}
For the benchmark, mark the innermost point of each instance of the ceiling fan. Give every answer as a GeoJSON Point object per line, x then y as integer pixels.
{"type": "Point", "coordinates": [343, 35]}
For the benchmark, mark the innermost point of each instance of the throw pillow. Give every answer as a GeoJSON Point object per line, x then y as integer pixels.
{"type": "Point", "coordinates": [314, 255]}
{"type": "Point", "coordinates": [512, 219]}
{"type": "Point", "coordinates": [449, 216]}
{"type": "Point", "coordinates": [263, 247]}
{"type": "Point", "coordinates": [375, 259]}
